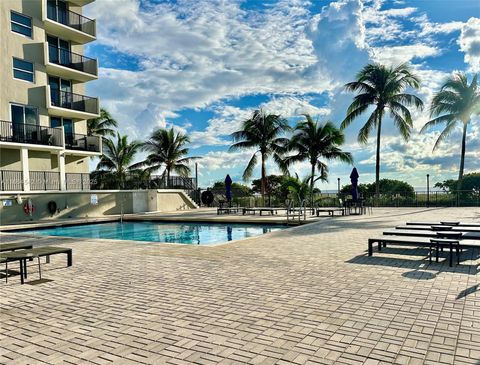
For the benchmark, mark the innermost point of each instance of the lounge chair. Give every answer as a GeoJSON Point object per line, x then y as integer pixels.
{"type": "Point", "coordinates": [23, 255]}
{"type": "Point", "coordinates": [432, 234]}
{"type": "Point", "coordinates": [431, 243]}
{"type": "Point", "coordinates": [228, 210]}
{"type": "Point", "coordinates": [330, 211]}
{"type": "Point", "coordinates": [440, 227]}
{"type": "Point", "coordinates": [272, 211]}
{"type": "Point", "coordinates": [446, 223]}
{"type": "Point", "coordinates": [4, 247]}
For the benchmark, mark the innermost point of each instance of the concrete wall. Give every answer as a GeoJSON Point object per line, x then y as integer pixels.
{"type": "Point", "coordinates": [77, 204]}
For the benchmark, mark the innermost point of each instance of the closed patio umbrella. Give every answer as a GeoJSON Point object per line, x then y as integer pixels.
{"type": "Point", "coordinates": [228, 188]}
{"type": "Point", "coordinates": [354, 179]}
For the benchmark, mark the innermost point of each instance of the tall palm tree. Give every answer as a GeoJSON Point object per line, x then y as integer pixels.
{"type": "Point", "coordinates": [314, 142]}
{"type": "Point", "coordinates": [456, 102]}
{"type": "Point", "coordinates": [167, 149]}
{"type": "Point", "coordinates": [102, 126]}
{"type": "Point", "coordinates": [117, 158]}
{"type": "Point", "coordinates": [264, 132]}
{"type": "Point", "coordinates": [384, 88]}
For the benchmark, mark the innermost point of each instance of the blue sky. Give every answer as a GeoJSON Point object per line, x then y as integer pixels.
{"type": "Point", "coordinates": [203, 66]}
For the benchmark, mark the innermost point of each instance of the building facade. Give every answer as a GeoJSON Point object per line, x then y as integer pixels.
{"type": "Point", "coordinates": [44, 144]}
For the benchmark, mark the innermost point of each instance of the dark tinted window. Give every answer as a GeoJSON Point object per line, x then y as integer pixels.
{"type": "Point", "coordinates": [21, 24]}
{"type": "Point", "coordinates": [23, 70]}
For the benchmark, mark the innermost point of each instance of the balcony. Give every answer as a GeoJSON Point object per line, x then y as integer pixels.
{"type": "Point", "coordinates": [68, 24]}
{"type": "Point", "coordinates": [31, 134]}
{"type": "Point", "coordinates": [12, 180]}
{"type": "Point", "coordinates": [70, 105]}
{"type": "Point", "coordinates": [82, 142]}
{"type": "Point", "coordinates": [70, 65]}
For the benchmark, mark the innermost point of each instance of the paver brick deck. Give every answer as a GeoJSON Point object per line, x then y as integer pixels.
{"type": "Point", "coordinates": [309, 295]}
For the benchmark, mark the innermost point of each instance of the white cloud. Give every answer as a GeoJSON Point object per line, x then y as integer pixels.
{"type": "Point", "coordinates": [395, 55]}
{"type": "Point", "coordinates": [469, 43]}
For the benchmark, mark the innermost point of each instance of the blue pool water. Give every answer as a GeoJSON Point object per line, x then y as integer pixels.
{"type": "Point", "coordinates": [181, 232]}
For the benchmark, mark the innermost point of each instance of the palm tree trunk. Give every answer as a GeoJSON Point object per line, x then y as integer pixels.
{"type": "Point", "coordinates": [264, 177]}
{"type": "Point", "coordinates": [462, 157]}
{"type": "Point", "coordinates": [377, 164]}
{"type": "Point", "coordinates": [311, 185]}
{"type": "Point", "coordinates": [168, 177]}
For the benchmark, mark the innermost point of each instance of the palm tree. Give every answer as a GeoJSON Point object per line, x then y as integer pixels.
{"type": "Point", "coordinates": [313, 142]}
{"type": "Point", "coordinates": [383, 88]}
{"type": "Point", "coordinates": [117, 158]}
{"type": "Point", "coordinates": [455, 102]}
{"type": "Point", "coordinates": [102, 126]}
{"type": "Point", "coordinates": [167, 149]}
{"type": "Point", "coordinates": [264, 133]}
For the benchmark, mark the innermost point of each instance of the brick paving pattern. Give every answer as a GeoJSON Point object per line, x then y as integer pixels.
{"type": "Point", "coordinates": [309, 295]}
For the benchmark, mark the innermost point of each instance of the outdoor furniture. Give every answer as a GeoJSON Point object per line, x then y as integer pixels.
{"type": "Point", "coordinates": [228, 210]}
{"type": "Point", "coordinates": [429, 233]}
{"type": "Point", "coordinates": [438, 243]}
{"type": "Point", "coordinates": [23, 255]}
{"type": "Point", "coordinates": [330, 211]}
{"type": "Point", "coordinates": [14, 246]}
{"type": "Point", "coordinates": [439, 227]}
{"type": "Point", "coordinates": [272, 211]}
{"type": "Point", "coordinates": [445, 223]}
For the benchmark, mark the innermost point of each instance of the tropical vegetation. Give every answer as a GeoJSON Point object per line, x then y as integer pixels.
{"type": "Point", "coordinates": [167, 149]}
{"type": "Point", "coordinates": [103, 125]}
{"type": "Point", "coordinates": [117, 160]}
{"type": "Point", "coordinates": [316, 142]}
{"type": "Point", "coordinates": [384, 89]}
{"type": "Point", "coordinates": [455, 104]}
{"type": "Point", "coordinates": [265, 133]}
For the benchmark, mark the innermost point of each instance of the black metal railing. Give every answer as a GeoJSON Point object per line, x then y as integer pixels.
{"type": "Point", "coordinates": [11, 180]}
{"type": "Point", "coordinates": [77, 181]}
{"type": "Point", "coordinates": [30, 133]}
{"type": "Point", "coordinates": [71, 19]}
{"type": "Point", "coordinates": [64, 57]}
{"type": "Point", "coordinates": [82, 142]}
{"type": "Point", "coordinates": [69, 100]}
{"type": "Point", "coordinates": [140, 180]}
{"type": "Point", "coordinates": [44, 180]}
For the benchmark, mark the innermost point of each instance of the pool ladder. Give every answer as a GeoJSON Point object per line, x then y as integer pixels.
{"type": "Point", "coordinates": [293, 212]}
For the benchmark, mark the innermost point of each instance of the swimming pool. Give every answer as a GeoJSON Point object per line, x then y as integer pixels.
{"type": "Point", "coordinates": [177, 232]}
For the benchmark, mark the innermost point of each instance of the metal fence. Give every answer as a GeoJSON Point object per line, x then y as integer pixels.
{"type": "Point", "coordinates": [44, 180]}
{"type": "Point", "coordinates": [397, 199]}
{"type": "Point", "coordinates": [105, 180]}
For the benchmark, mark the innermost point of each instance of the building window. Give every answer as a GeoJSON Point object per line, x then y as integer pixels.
{"type": "Point", "coordinates": [23, 70]}
{"type": "Point", "coordinates": [21, 24]}
{"type": "Point", "coordinates": [68, 127]}
{"type": "Point", "coordinates": [24, 114]}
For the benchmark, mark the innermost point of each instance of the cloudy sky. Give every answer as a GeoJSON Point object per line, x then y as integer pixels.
{"type": "Point", "coordinates": [203, 66]}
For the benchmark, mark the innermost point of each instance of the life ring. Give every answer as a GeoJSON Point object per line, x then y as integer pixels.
{"type": "Point", "coordinates": [52, 207]}
{"type": "Point", "coordinates": [28, 207]}
{"type": "Point", "coordinates": [207, 197]}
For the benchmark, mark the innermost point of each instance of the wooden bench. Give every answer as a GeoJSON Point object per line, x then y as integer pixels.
{"type": "Point", "coordinates": [431, 243]}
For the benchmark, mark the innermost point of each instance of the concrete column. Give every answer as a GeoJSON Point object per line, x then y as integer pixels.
{"type": "Point", "coordinates": [25, 168]}
{"type": "Point", "coordinates": [61, 169]}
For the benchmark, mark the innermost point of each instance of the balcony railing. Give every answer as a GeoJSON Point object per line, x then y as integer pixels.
{"type": "Point", "coordinates": [44, 180]}
{"type": "Point", "coordinates": [82, 142]}
{"type": "Point", "coordinates": [11, 180]}
{"type": "Point", "coordinates": [64, 57]}
{"type": "Point", "coordinates": [30, 133]}
{"type": "Point", "coordinates": [71, 19]}
{"type": "Point", "coordinates": [77, 181]}
{"type": "Point", "coordinates": [68, 100]}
